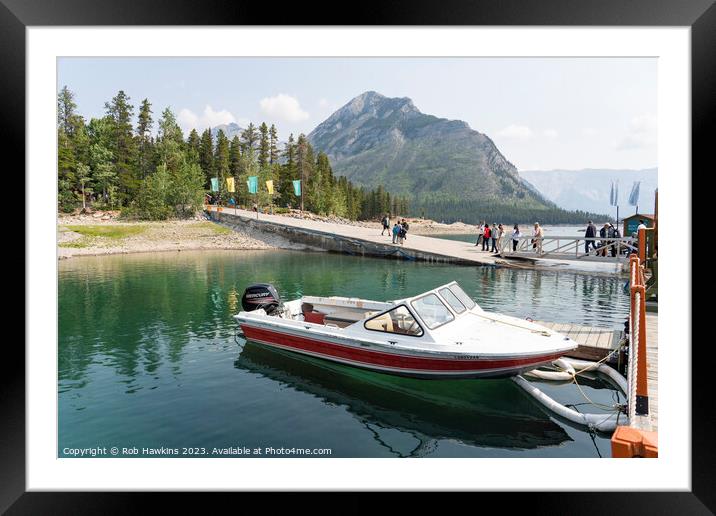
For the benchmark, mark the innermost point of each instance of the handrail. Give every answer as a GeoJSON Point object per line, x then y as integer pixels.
{"type": "Point", "coordinates": [573, 246]}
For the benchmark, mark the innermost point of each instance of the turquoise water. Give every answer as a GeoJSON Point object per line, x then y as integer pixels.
{"type": "Point", "coordinates": [148, 359]}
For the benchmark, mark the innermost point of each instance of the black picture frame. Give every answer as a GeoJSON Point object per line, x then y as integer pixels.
{"type": "Point", "coordinates": [699, 15]}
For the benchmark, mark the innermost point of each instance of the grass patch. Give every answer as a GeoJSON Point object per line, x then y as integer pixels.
{"type": "Point", "coordinates": [76, 244]}
{"type": "Point", "coordinates": [108, 231]}
{"type": "Point", "coordinates": [216, 228]}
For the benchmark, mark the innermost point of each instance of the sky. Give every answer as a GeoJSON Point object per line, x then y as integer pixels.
{"type": "Point", "coordinates": [542, 113]}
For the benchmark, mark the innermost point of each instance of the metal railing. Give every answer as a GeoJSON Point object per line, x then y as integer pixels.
{"type": "Point", "coordinates": [570, 247]}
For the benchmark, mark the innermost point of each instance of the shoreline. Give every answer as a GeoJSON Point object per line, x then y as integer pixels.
{"type": "Point", "coordinates": [104, 234]}
{"type": "Point", "coordinates": [95, 236]}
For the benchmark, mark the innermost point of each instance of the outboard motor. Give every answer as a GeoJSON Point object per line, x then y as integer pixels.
{"type": "Point", "coordinates": [261, 295]}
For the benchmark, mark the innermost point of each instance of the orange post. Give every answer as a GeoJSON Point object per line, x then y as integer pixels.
{"type": "Point", "coordinates": [626, 440]}
{"type": "Point", "coordinates": [630, 442]}
{"type": "Point", "coordinates": [642, 245]}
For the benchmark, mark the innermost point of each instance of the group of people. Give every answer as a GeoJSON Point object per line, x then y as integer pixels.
{"type": "Point", "coordinates": [399, 232]}
{"type": "Point", "coordinates": [491, 237]}
{"type": "Point", "coordinates": [608, 230]}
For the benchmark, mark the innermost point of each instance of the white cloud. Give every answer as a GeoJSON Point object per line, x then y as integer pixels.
{"type": "Point", "coordinates": [283, 107]}
{"type": "Point", "coordinates": [641, 133]}
{"type": "Point", "coordinates": [516, 132]}
{"type": "Point", "coordinates": [322, 103]}
{"type": "Point", "coordinates": [189, 120]}
{"type": "Point", "coordinates": [550, 133]}
{"type": "Point", "coordinates": [589, 131]}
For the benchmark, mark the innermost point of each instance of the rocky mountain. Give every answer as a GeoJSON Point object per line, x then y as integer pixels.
{"type": "Point", "coordinates": [589, 189]}
{"type": "Point", "coordinates": [376, 140]}
{"type": "Point", "coordinates": [230, 130]}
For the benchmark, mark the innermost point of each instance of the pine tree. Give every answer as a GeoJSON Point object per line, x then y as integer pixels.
{"type": "Point", "coordinates": [144, 128]}
{"type": "Point", "coordinates": [304, 165]}
{"type": "Point", "coordinates": [66, 110]}
{"type": "Point", "coordinates": [72, 149]}
{"type": "Point", "coordinates": [235, 157]}
{"type": "Point", "coordinates": [206, 157]}
{"type": "Point", "coordinates": [287, 174]}
{"type": "Point", "coordinates": [263, 145]}
{"type": "Point", "coordinates": [193, 146]}
{"type": "Point", "coordinates": [171, 142]}
{"type": "Point", "coordinates": [273, 145]}
{"type": "Point", "coordinates": [222, 162]}
{"type": "Point", "coordinates": [249, 138]}
{"type": "Point", "coordinates": [123, 148]}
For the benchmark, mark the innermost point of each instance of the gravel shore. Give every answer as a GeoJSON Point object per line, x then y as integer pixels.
{"type": "Point", "coordinates": [86, 235]}
{"type": "Point", "coordinates": [102, 233]}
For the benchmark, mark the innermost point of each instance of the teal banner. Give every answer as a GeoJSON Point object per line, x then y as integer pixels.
{"type": "Point", "coordinates": [297, 186]}
{"type": "Point", "coordinates": [253, 184]}
{"type": "Point", "coordinates": [214, 184]}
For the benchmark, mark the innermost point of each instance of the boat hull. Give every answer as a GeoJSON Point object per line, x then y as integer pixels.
{"type": "Point", "coordinates": [397, 363]}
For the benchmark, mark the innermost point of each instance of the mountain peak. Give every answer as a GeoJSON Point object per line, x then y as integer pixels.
{"type": "Point", "coordinates": [374, 139]}
{"type": "Point", "coordinates": [374, 103]}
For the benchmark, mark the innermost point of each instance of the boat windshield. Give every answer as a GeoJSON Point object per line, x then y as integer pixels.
{"type": "Point", "coordinates": [432, 311]}
{"type": "Point", "coordinates": [452, 300]}
{"type": "Point", "coordinates": [464, 298]}
{"type": "Point", "coordinates": [397, 320]}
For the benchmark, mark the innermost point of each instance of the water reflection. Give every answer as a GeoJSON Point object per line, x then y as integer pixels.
{"type": "Point", "coordinates": [478, 413]}
{"type": "Point", "coordinates": [149, 340]}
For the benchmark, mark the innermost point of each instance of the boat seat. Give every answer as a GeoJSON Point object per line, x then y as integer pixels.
{"type": "Point", "coordinates": [382, 323]}
{"type": "Point", "coordinates": [311, 315]}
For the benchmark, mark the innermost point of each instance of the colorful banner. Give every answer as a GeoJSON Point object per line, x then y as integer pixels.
{"type": "Point", "coordinates": [214, 184]}
{"type": "Point", "coordinates": [253, 184]}
{"type": "Point", "coordinates": [297, 187]}
{"type": "Point", "coordinates": [230, 184]}
{"type": "Point", "coordinates": [269, 186]}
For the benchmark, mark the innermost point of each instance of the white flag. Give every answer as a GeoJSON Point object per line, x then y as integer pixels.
{"type": "Point", "coordinates": [634, 196]}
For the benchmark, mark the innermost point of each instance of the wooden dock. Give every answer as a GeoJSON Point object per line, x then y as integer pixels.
{"type": "Point", "coordinates": [594, 343]}
{"type": "Point", "coordinates": [597, 343]}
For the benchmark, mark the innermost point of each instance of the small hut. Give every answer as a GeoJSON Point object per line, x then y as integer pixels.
{"type": "Point", "coordinates": [631, 223]}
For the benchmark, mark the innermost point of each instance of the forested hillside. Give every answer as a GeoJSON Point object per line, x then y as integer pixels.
{"type": "Point", "coordinates": [121, 162]}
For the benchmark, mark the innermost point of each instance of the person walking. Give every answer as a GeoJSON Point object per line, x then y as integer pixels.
{"type": "Point", "coordinates": [612, 243]}
{"type": "Point", "coordinates": [405, 226]}
{"type": "Point", "coordinates": [515, 237]}
{"type": "Point", "coordinates": [537, 235]}
{"type": "Point", "coordinates": [590, 233]}
{"type": "Point", "coordinates": [602, 251]}
{"type": "Point", "coordinates": [386, 224]}
{"type": "Point", "coordinates": [493, 237]}
{"type": "Point", "coordinates": [480, 233]}
{"type": "Point", "coordinates": [500, 235]}
{"type": "Point", "coordinates": [396, 230]}
{"type": "Point", "coordinates": [486, 238]}
{"type": "Point", "coordinates": [401, 234]}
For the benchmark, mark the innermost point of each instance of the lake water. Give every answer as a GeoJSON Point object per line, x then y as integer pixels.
{"type": "Point", "coordinates": [148, 358]}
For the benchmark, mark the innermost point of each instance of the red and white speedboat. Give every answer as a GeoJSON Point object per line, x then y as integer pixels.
{"type": "Point", "coordinates": [441, 333]}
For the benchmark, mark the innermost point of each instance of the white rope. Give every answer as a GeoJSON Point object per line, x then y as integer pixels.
{"type": "Point", "coordinates": [634, 355]}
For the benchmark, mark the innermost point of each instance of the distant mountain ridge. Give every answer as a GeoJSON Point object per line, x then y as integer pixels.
{"type": "Point", "coordinates": [375, 140]}
{"type": "Point", "coordinates": [589, 189]}
{"type": "Point", "coordinates": [230, 130]}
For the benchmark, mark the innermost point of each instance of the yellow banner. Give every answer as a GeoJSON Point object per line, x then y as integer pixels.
{"type": "Point", "coordinates": [269, 186]}
{"type": "Point", "coordinates": [230, 184]}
